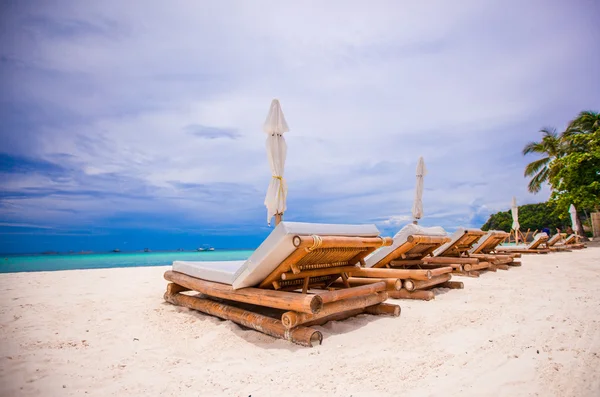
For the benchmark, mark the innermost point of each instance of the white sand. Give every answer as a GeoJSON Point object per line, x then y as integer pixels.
{"type": "Point", "coordinates": [533, 330]}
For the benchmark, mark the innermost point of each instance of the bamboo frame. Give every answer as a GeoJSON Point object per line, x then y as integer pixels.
{"type": "Point", "coordinates": [316, 263]}
{"type": "Point", "coordinates": [412, 262]}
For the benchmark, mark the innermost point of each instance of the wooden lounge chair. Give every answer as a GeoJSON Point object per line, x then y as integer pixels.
{"type": "Point", "coordinates": [285, 285]}
{"type": "Point", "coordinates": [408, 259]}
{"type": "Point", "coordinates": [572, 242]}
{"type": "Point", "coordinates": [553, 244]}
{"type": "Point", "coordinates": [535, 247]}
{"type": "Point", "coordinates": [486, 248]}
{"type": "Point", "coordinates": [457, 251]}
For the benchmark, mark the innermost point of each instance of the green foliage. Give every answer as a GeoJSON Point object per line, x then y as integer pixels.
{"type": "Point", "coordinates": [575, 177]}
{"type": "Point", "coordinates": [531, 216]}
{"type": "Point", "coordinates": [570, 163]}
{"type": "Point", "coordinates": [551, 147]}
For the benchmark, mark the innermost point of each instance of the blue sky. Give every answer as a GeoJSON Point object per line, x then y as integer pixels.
{"type": "Point", "coordinates": [139, 123]}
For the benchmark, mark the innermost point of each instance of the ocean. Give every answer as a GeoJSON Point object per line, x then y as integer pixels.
{"type": "Point", "coordinates": [39, 263]}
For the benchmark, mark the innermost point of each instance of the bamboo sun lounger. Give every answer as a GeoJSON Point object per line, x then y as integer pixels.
{"type": "Point", "coordinates": [289, 283]}
{"type": "Point", "coordinates": [486, 248]}
{"type": "Point", "coordinates": [408, 259]}
{"type": "Point", "coordinates": [553, 244]}
{"type": "Point", "coordinates": [457, 251]}
{"type": "Point", "coordinates": [535, 247]}
{"type": "Point", "coordinates": [572, 242]}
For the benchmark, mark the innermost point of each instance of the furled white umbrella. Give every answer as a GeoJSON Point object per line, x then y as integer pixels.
{"type": "Point", "coordinates": [574, 220]}
{"type": "Point", "coordinates": [275, 126]}
{"type": "Point", "coordinates": [515, 216]}
{"type": "Point", "coordinates": [417, 209]}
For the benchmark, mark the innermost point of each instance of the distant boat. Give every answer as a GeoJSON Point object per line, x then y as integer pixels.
{"type": "Point", "coordinates": [211, 249]}
{"type": "Point", "coordinates": [116, 250]}
{"type": "Point", "coordinates": [200, 249]}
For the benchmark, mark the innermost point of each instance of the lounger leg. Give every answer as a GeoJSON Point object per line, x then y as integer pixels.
{"type": "Point", "coordinates": [301, 335]}
{"type": "Point", "coordinates": [418, 295]}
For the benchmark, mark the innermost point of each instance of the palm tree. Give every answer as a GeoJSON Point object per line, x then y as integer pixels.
{"type": "Point", "coordinates": [551, 147]}
{"type": "Point", "coordinates": [587, 122]}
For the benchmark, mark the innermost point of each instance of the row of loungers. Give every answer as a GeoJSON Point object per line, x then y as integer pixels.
{"type": "Point", "coordinates": [306, 274]}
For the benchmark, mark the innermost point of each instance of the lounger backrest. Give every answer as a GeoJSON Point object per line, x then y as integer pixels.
{"type": "Point", "coordinates": [553, 240]}
{"type": "Point", "coordinates": [405, 249]}
{"type": "Point", "coordinates": [461, 242]}
{"type": "Point", "coordinates": [538, 240]}
{"type": "Point", "coordinates": [489, 242]}
{"type": "Point", "coordinates": [279, 245]}
{"type": "Point", "coordinates": [572, 239]}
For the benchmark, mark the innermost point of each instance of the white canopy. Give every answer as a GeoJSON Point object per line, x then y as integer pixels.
{"type": "Point", "coordinates": [417, 209]}
{"type": "Point", "coordinates": [573, 213]}
{"type": "Point", "coordinates": [515, 214]}
{"type": "Point", "coordinates": [275, 126]}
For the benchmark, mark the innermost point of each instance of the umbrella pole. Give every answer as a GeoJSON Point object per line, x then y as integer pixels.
{"type": "Point", "coordinates": [278, 218]}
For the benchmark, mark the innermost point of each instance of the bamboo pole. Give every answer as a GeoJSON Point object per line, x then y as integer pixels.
{"type": "Point", "coordinates": [418, 239]}
{"type": "Point", "coordinates": [277, 299]}
{"type": "Point", "coordinates": [335, 317]}
{"type": "Point", "coordinates": [406, 262]}
{"type": "Point", "coordinates": [445, 260]}
{"type": "Point", "coordinates": [340, 294]}
{"type": "Point", "coordinates": [292, 319]}
{"type": "Point", "coordinates": [440, 270]}
{"type": "Point", "coordinates": [480, 266]}
{"type": "Point", "coordinates": [278, 218]}
{"type": "Point", "coordinates": [317, 272]}
{"type": "Point", "coordinates": [472, 273]}
{"type": "Point", "coordinates": [391, 283]}
{"type": "Point", "coordinates": [418, 295]}
{"type": "Point", "coordinates": [454, 266]}
{"type": "Point", "coordinates": [415, 274]}
{"type": "Point", "coordinates": [452, 285]}
{"type": "Point", "coordinates": [491, 268]}
{"type": "Point", "coordinates": [501, 266]}
{"type": "Point", "coordinates": [412, 285]}
{"type": "Point", "coordinates": [382, 309]}
{"type": "Point", "coordinates": [340, 242]}
{"type": "Point", "coordinates": [173, 289]}
{"type": "Point", "coordinates": [301, 335]}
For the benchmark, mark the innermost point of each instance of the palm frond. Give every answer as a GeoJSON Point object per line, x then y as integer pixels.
{"type": "Point", "coordinates": [535, 185]}
{"type": "Point", "coordinates": [533, 147]}
{"type": "Point", "coordinates": [535, 166]}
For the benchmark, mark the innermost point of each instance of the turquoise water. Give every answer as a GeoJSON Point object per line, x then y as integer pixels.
{"type": "Point", "coordinates": [38, 263]}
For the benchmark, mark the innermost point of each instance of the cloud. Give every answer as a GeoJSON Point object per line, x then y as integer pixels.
{"type": "Point", "coordinates": [210, 133]}
{"type": "Point", "coordinates": [144, 113]}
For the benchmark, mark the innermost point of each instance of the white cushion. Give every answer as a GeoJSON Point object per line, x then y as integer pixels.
{"type": "Point", "coordinates": [483, 239]}
{"type": "Point", "coordinates": [219, 271]}
{"type": "Point", "coordinates": [400, 238]}
{"type": "Point", "coordinates": [274, 250]}
{"type": "Point", "coordinates": [455, 236]}
{"type": "Point", "coordinates": [278, 246]}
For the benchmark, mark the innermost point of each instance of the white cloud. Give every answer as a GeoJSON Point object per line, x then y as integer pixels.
{"type": "Point", "coordinates": [366, 89]}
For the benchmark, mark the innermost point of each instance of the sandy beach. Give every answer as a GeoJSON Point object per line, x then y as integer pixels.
{"type": "Point", "coordinates": [529, 331]}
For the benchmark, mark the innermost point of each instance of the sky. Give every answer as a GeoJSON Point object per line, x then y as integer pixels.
{"type": "Point", "coordinates": [139, 124]}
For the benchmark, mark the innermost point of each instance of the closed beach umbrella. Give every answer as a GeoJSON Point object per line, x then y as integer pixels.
{"type": "Point", "coordinates": [275, 126]}
{"type": "Point", "coordinates": [515, 216]}
{"type": "Point", "coordinates": [417, 209]}
{"type": "Point", "coordinates": [573, 213]}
